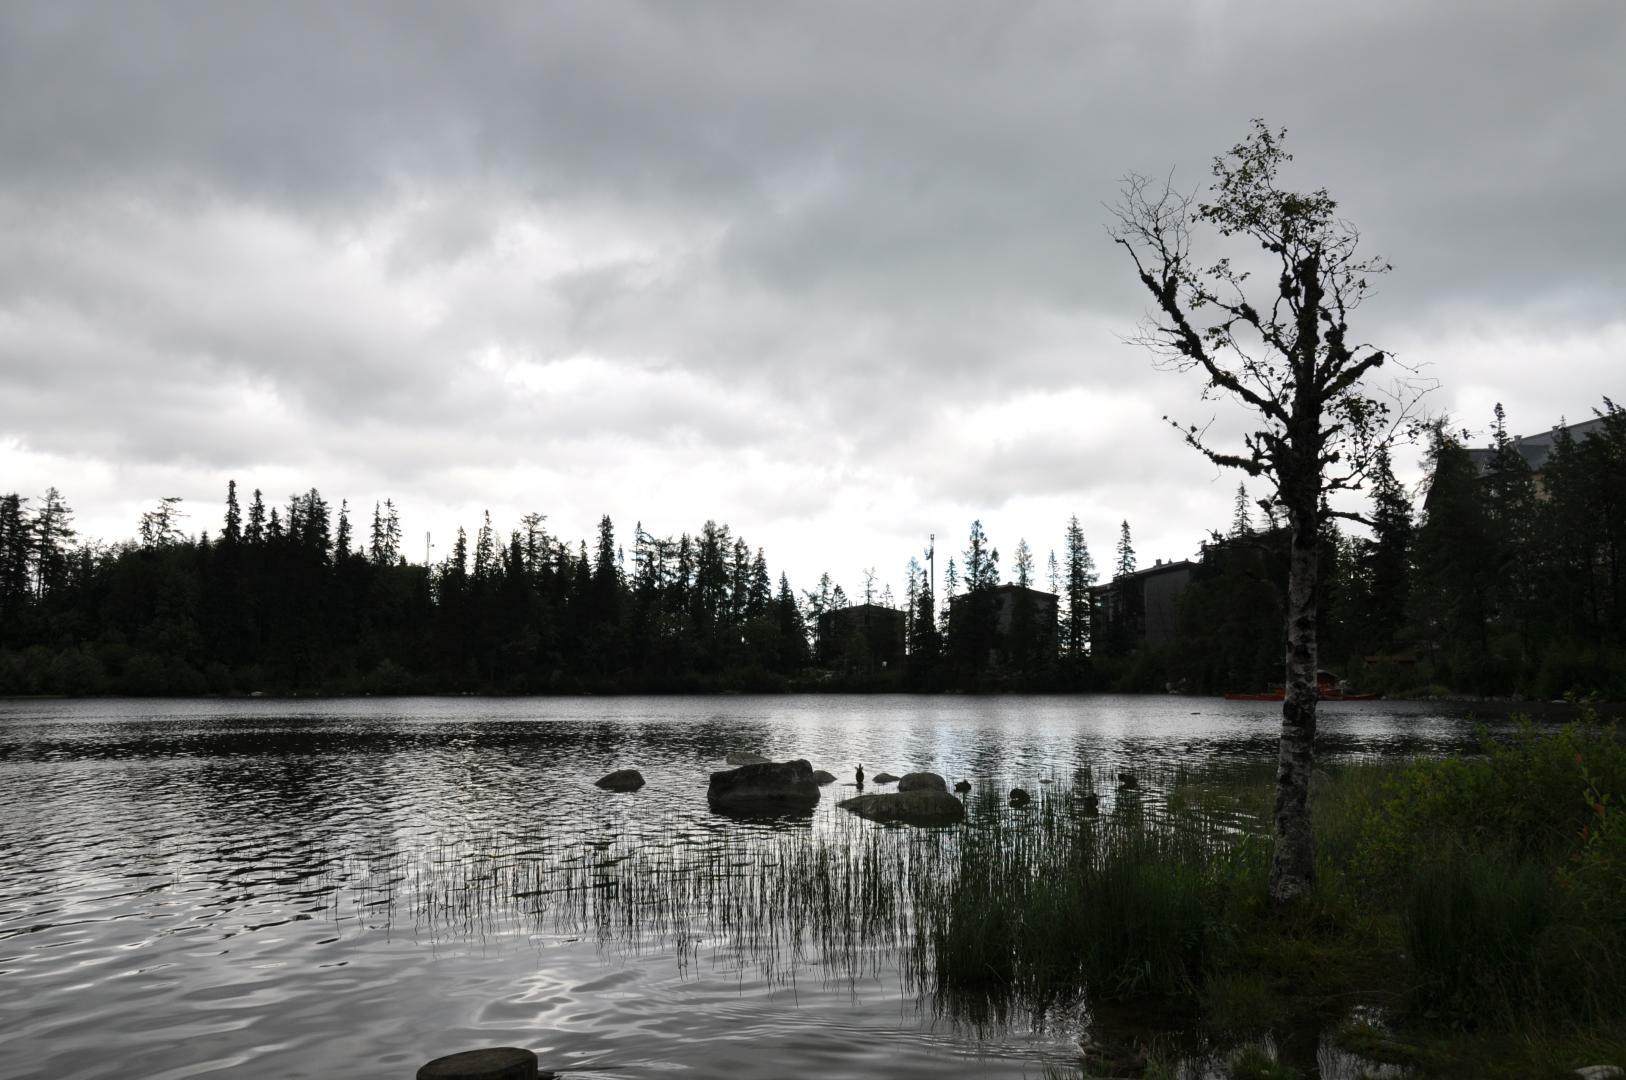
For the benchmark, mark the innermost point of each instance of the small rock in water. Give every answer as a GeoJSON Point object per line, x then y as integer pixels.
{"type": "Point", "coordinates": [492, 1063]}
{"type": "Point", "coordinates": [821, 777]}
{"type": "Point", "coordinates": [1128, 780]}
{"type": "Point", "coordinates": [921, 806]}
{"type": "Point", "coordinates": [744, 757]}
{"type": "Point", "coordinates": [922, 781]}
{"type": "Point", "coordinates": [622, 780]}
{"type": "Point", "coordinates": [1020, 797]}
{"type": "Point", "coordinates": [962, 786]}
{"type": "Point", "coordinates": [1092, 804]}
{"type": "Point", "coordinates": [885, 778]}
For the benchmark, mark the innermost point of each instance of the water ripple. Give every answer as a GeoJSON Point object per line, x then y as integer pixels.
{"type": "Point", "coordinates": [350, 888]}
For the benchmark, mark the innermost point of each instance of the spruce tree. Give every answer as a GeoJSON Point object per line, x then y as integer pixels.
{"type": "Point", "coordinates": [232, 533]}
{"type": "Point", "coordinates": [53, 537]}
{"type": "Point", "coordinates": [341, 543]}
{"type": "Point", "coordinates": [1080, 576]}
{"type": "Point", "coordinates": [1126, 553]}
{"type": "Point", "coordinates": [1024, 564]}
{"type": "Point", "coordinates": [255, 533]}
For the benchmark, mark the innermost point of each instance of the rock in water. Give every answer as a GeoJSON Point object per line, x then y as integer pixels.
{"type": "Point", "coordinates": [921, 806]}
{"type": "Point", "coordinates": [622, 780]}
{"type": "Point", "coordinates": [962, 786]}
{"type": "Point", "coordinates": [885, 778]}
{"type": "Point", "coordinates": [1128, 780]}
{"type": "Point", "coordinates": [1600, 1072]}
{"type": "Point", "coordinates": [820, 777]}
{"type": "Point", "coordinates": [922, 781]}
{"type": "Point", "coordinates": [742, 757]}
{"type": "Point", "coordinates": [495, 1063]}
{"type": "Point", "coordinates": [1092, 804]}
{"type": "Point", "coordinates": [772, 785]}
{"type": "Point", "coordinates": [1020, 797]}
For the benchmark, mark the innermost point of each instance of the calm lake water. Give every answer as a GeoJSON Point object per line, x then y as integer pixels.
{"type": "Point", "coordinates": [350, 888]}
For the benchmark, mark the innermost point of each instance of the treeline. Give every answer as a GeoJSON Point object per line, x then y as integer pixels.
{"type": "Point", "coordinates": [303, 599]}
{"type": "Point", "coordinates": [1508, 580]}
{"type": "Point", "coordinates": [292, 600]}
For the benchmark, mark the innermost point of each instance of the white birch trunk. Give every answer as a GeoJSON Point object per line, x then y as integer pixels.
{"type": "Point", "coordinates": [1292, 870]}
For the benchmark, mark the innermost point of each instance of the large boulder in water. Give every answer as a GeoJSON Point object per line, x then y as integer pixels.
{"type": "Point", "coordinates": [622, 780]}
{"type": "Point", "coordinates": [922, 806]}
{"type": "Point", "coordinates": [766, 785]}
{"type": "Point", "coordinates": [921, 781]}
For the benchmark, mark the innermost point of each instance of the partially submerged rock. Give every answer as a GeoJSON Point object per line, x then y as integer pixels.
{"type": "Point", "coordinates": [1020, 797]}
{"type": "Point", "coordinates": [622, 780]}
{"type": "Point", "coordinates": [921, 781]}
{"type": "Point", "coordinates": [491, 1063]}
{"type": "Point", "coordinates": [962, 786]}
{"type": "Point", "coordinates": [820, 777]}
{"type": "Point", "coordinates": [921, 806]}
{"type": "Point", "coordinates": [765, 785]}
{"type": "Point", "coordinates": [745, 757]}
{"type": "Point", "coordinates": [885, 778]}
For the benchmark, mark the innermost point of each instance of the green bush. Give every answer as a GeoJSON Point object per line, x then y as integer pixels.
{"type": "Point", "coordinates": [1509, 874]}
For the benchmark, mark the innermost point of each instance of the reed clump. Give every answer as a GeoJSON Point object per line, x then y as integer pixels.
{"type": "Point", "coordinates": [1466, 898]}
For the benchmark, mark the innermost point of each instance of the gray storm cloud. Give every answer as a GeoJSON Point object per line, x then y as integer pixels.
{"type": "Point", "coordinates": [834, 272]}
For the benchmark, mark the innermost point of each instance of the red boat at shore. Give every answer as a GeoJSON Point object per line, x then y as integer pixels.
{"type": "Point", "coordinates": [1328, 688]}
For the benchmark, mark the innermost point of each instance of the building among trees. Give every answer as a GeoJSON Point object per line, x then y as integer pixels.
{"type": "Point", "coordinates": [1535, 449]}
{"type": "Point", "coordinates": [1140, 607]}
{"type": "Point", "coordinates": [865, 637]}
{"type": "Point", "coordinates": [1018, 623]}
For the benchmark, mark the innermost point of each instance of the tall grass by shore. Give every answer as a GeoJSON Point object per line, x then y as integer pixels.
{"type": "Point", "coordinates": [1478, 904]}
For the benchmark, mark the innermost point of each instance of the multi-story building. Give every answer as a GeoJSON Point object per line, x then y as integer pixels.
{"type": "Point", "coordinates": [866, 636]}
{"type": "Point", "coordinates": [1138, 609]}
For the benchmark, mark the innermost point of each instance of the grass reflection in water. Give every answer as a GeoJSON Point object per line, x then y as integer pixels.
{"type": "Point", "coordinates": [1011, 919]}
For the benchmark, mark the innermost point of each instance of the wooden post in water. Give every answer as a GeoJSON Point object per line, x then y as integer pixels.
{"type": "Point", "coordinates": [492, 1063]}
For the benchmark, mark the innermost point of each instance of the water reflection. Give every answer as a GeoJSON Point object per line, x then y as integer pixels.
{"type": "Point", "coordinates": [317, 889]}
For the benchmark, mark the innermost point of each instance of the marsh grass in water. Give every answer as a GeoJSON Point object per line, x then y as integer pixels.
{"type": "Point", "coordinates": [1466, 898]}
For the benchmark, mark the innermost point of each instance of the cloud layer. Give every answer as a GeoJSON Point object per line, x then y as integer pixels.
{"type": "Point", "coordinates": [835, 273]}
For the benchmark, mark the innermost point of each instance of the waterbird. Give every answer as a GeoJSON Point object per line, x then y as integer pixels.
{"type": "Point", "coordinates": [860, 774]}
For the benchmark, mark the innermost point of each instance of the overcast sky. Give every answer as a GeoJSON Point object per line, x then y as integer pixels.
{"type": "Point", "coordinates": [835, 274]}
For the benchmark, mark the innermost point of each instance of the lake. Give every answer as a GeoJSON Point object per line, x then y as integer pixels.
{"type": "Point", "coordinates": [348, 888]}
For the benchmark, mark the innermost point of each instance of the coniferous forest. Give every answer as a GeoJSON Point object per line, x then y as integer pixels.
{"type": "Point", "coordinates": [1493, 578]}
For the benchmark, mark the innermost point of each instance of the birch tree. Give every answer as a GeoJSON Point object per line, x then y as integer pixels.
{"type": "Point", "coordinates": [1271, 332]}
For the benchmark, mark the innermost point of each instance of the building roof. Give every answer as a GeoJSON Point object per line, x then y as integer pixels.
{"type": "Point", "coordinates": [1535, 449]}
{"type": "Point", "coordinates": [1007, 588]}
{"type": "Point", "coordinates": [1154, 570]}
{"type": "Point", "coordinates": [882, 609]}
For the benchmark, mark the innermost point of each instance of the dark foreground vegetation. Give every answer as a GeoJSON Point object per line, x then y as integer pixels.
{"type": "Point", "coordinates": [1468, 916]}
{"type": "Point", "coordinates": [1507, 583]}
